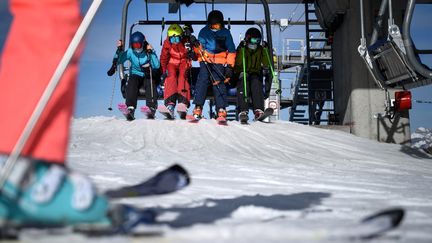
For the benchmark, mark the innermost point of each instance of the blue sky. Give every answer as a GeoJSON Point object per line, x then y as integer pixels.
{"type": "Point", "coordinates": [95, 87]}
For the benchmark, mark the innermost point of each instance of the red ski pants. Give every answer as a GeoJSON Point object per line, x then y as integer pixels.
{"type": "Point", "coordinates": [177, 88]}
{"type": "Point", "coordinates": [39, 35]}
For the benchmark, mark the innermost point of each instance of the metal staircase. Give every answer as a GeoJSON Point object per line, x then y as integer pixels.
{"type": "Point", "coordinates": [314, 92]}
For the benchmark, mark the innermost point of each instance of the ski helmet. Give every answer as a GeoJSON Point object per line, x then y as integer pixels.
{"type": "Point", "coordinates": [253, 35]}
{"type": "Point", "coordinates": [215, 17]}
{"type": "Point", "coordinates": [137, 40]}
{"type": "Point", "coordinates": [175, 30]}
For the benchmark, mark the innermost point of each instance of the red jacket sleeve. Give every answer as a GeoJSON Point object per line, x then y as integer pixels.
{"type": "Point", "coordinates": [165, 55]}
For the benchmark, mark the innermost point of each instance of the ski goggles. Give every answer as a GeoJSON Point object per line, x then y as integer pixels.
{"type": "Point", "coordinates": [137, 45]}
{"type": "Point", "coordinates": [216, 26]}
{"type": "Point", "coordinates": [255, 40]}
{"type": "Point", "coordinates": [174, 39]}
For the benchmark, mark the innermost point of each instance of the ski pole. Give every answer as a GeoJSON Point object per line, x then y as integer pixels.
{"type": "Point", "coordinates": [214, 82]}
{"type": "Point", "coordinates": [112, 93]}
{"type": "Point", "coordinates": [278, 91]}
{"type": "Point", "coordinates": [49, 90]}
{"type": "Point", "coordinates": [151, 83]}
{"type": "Point", "coordinates": [226, 80]}
{"type": "Point", "coordinates": [244, 75]}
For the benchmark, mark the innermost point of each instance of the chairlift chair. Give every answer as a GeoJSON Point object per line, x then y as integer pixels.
{"type": "Point", "coordinates": [394, 62]}
{"type": "Point", "coordinates": [194, 70]}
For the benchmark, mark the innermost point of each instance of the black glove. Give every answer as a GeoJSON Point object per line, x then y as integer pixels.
{"type": "Point", "coordinates": [112, 69]}
{"type": "Point", "coordinates": [194, 41]}
{"type": "Point", "coordinates": [229, 72]}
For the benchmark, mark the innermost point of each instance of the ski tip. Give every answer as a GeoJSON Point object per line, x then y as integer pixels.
{"type": "Point", "coordinates": [395, 215]}
{"type": "Point", "coordinates": [181, 170]}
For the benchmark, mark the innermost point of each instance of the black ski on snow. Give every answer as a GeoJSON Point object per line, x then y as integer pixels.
{"type": "Point", "coordinates": [267, 112]}
{"type": "Point", "coordinates": [125, 218]}
{"type": "Point", "coordinates": [377, 224]}
{"type": "Point", "coordinates": [169, 180]}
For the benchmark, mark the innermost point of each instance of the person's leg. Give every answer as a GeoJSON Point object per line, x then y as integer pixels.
{"type": "Point", "coordinates": [256, 89]}
{"type": "Point", "coordinates": [132, 89]}
{"type": "Point", "coordinates": [170, 94]}
{"type": "Point", "coordinates": [242, 102]}
{"type": "Point", "coordinates": [183, 88]}
{"type": "Point", "coordinates": [219, 90]}
{"type": "Point", "coordinates": [27, 67]}
{"type": "Point", "coordinates": [150, 93]}
{"type": "Point", "coordinates": [201, 85]}
{"type": "Point", "coordinates": [54, 195]}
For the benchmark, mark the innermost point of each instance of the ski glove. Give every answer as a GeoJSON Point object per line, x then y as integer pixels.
{"type": "Point", "coordinates": [112, 70]}
{"type": "Point", "coordinates": [228, 72]}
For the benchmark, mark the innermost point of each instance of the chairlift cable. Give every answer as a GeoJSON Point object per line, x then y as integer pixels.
{"type": "Point", "coordinates": [423, 101]}
{"type": "Point", "coordinates": [293, 13]}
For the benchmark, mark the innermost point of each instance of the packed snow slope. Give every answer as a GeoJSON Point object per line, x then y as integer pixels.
{"type": "Point", "coordinates": [263, 182]}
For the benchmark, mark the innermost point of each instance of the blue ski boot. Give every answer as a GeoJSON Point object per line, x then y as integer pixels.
{"type": "Point", "coordinates": [40, 194]}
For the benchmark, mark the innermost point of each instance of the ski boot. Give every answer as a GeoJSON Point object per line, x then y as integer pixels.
{"type": "Point", "coordinates": [182, 110]}
{"type": "Point", "coordinates": [258, 113]}
{"type": "Point", "coordinates": [152, 113]}
{"type": "Point", "coordinates": [197, 112]}
{"type": "Point", "coordinates": [131, 113]}
{"type": "Point", "coordinates": [40, 194]}
{"type": "Point", "coordinates": [221, 118]}
{"type": "Point", "coordinates": [171, 108]}
{"type": "Point", "coordinates": [243, 117]}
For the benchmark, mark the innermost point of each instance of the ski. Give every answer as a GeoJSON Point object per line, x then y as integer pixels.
{"type": "Point", "coordinates": [267, 112]}
{"type": "Point", "coordinates": [222, 121]}
{"type": "Point", "coordinates": [123, 221]}
{"type": "Point", "coordinates": [193, 119]}
{"type": "Point", "coordinates": [377, 224]}
{"type": "Point", "coordinates": [124, 218]}
{"type": "Point", "coordinates": [169, 180]}
{"type": "Point", "coordinates": [124, 110]}
{"type": "Point", "coordinates": [182, 110]}
{"type": "Point", "coordinates": [165, 112]}
{"type": "Point", "coordinates": [147, 112]}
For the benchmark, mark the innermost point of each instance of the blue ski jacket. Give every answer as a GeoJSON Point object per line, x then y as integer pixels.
{"type": "Point", "coordinates": [137, 60]}
{"type": "Point", "coordinates": [219, 45]}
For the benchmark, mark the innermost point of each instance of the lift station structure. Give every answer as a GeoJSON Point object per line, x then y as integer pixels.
{"type": "Point", "coordinates": [353, 70]}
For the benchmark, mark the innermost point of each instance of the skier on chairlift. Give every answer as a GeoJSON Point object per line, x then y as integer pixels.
{"type": "Point", "coordinates": [175, 66]}
{"type": "Point", "coordinates": [251, 66]}
{"type": "Point", "coordinates": [143, 61]}
{"type": "Point", "coordinates": [216, 55]}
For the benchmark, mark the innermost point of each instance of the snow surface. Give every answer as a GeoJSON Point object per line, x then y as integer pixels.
{"type": "Point", "coordinates": [278, 182]}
